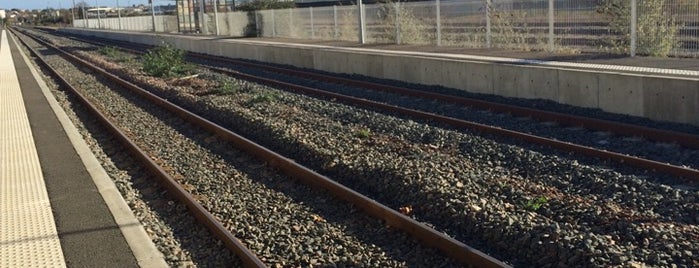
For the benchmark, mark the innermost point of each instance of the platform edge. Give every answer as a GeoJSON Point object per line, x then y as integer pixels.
{"type": "Point", "coordinates": [143, 248]}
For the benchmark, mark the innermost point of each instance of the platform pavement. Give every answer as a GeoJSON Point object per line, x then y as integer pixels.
{"type": "Point", "coordinates": [85, 221]}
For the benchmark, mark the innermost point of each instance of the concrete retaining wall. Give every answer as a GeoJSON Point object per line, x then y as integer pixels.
{"type": "Point", "coordinates": [656, 97]}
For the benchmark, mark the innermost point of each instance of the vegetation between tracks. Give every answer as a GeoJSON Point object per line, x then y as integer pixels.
{"type": "Point", "coordinates": [548, 218]}
{"type": "Point", "coordinates": [166, 61]}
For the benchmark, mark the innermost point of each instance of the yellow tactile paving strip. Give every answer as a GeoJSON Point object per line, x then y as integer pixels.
{"type": "Point", "coordinates": [28, 236]}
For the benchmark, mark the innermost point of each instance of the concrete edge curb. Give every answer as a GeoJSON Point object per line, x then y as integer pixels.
{"type": "Point", "coordinates": [140, 243]}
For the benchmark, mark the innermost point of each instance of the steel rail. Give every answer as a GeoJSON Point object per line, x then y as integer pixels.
{"type": "Point", "coordinates": [684, 139]}
{"type": "Point", "coordinates": [248, 258]}
{"type": "Point", "coordinates": [619, 128]}
{"type": "Point", "coordinates": [687, 139]}
{"type": "Point", "coordinates": [429, 236]}
{"type": "Point", "coordinates": [651, 165]}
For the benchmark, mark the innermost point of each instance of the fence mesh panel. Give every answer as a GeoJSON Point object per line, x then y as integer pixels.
{"type": "Point", "coordinates": [663, 27]}
{"type": "Point", "coordinates": [463, 23]}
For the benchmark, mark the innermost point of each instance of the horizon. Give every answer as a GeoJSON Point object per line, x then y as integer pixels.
{"type": "Point", "coordinates": [67, 4]}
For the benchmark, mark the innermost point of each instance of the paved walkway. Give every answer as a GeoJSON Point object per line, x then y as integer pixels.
{"type": "Point", "coordinates": [28, 235]}
{"type": "Point", "coordinates": [59, 207]}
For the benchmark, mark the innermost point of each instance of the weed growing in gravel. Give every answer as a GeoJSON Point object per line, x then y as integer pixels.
{"type": "Point", "coordinates": [114, 53]}
{"type": "Point", "coordinates": [166, 61]}
{"type": "Point", "coordinates": [226, 88]}
{"type": "Point", "coordinates": [264, 97]}
{"type": "Point", "coordinates": [363, 133]}
{"type": "Point", "coordinates": [535, 204]}
{"type": "Point", "coordinates": [109, 51]}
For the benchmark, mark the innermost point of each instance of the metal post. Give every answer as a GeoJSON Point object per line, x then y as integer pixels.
{"type": "Point", "coordinates": [204, 27]}
{"type": "Point", "coordinates": [152, 13]}
{"type": "Point", "coordinates": [216, 16]}
{"type": "Point", "coordinates": [257, 23]}
{"type": "Point", "coordinates": [72, 11]}
{"type": "Point", "coordinates": [87, 22]}
{"type": "Point", "coordinates": [99, 20]}
{"type": "Point", "coordinates": [634, 17]}
{"type": "Point", "coordinates": [439, 23]}
{"type": "Point", "coordinates": [119, 13]}
{"type": "Point", "coordinates": [313, 30]}
{"type": "Point", "coordinates": [488, 35]}
{"type": "Point", "coordinates": [362, 34]}
{"type": "Point", "coordinates": [336, 33]}
{"type": "Point", "coordinates": [291, 22]}
{"type": "Point", "coordinates": [274, 26]}
{"type": "Point", "coordinates": [396, 6]}
{"type": "Point", "coordinates": [551, 24]}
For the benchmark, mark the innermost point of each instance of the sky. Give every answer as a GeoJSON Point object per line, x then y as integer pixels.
{"type": "Point", "coordinates": [42, 4]}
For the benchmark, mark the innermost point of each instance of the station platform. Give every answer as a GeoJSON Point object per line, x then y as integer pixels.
{"type": "Point", "coordinates": [58, 207]}
{"type": "Point", "coordinates": [672, 66]}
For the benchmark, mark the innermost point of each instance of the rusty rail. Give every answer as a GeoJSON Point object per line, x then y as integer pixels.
{"type": "Point", "coordinates": [687, 140]}
{"type": "Point", "coordinates": [684, 139]}
{"type": "Point", "coordinates": [232, 243]}
{"type": "Point", "coordinates": [451, 247]}
{"type": "Point", "coordinates": [619, 128]}
{"type": "Point", "coordinates": [689, 173]}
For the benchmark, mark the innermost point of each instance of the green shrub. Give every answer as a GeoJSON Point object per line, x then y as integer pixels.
{"type": "Point", "coordinates": [413, 30]}
{"type": "Point", "coordinates": [656, 27]}
{"type": "Point", "coordinates": [264, 5]}
{"type": "Point", "coordinates": [166, 61]}
{"type": "Point", "coordinates": [511, 30]}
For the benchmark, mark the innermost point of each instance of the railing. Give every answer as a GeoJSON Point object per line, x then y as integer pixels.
{"type": "Point", "coordinates": [653, 27]}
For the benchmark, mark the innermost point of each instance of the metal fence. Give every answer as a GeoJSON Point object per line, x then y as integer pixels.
{"type": "Point", "coordinates": [647, 27]}
{"type": "Point", "coordinates": [163, 23]}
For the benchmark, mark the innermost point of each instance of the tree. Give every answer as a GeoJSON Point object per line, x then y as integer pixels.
{"type": "Point", "coordinates": [265, 4]}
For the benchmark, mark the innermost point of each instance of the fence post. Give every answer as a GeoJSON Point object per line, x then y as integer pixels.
{"type": "Point", "coordinates": [313, 28]}
{"type": "Point", "coordinates": [488, 36]}
{"type": "Point", "coordinates": [439, 23]}
{"type": "Point", "coordinates": [634, 17]}
{"type": "Point", "coordinates": [204, 27]}
{"type": "Point", "coordinates": [99, 20]}
{"type": "Point", "coordinates": [118, 13]}
{"type": "Point", "coordinates": [216, 17]}
{"type": "Point", "coordinates": [257, 23]}
{"type": "Point", "coordinates": [551, 24]}
{"type": "Point", "coordinates": [335, 35]}
{"type": "Point", "coordinates": [274, 24]}
{"type": "Point", "coordinates": [152, 14]}
{"type": "Point", "coordinates": [291, 22]}
{"type": "Point", "coordinates": [362, 34]}
{"type": "Point", "coordinates": [397, 8]}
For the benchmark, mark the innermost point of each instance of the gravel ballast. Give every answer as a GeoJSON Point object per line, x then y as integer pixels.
{"type": "Point", "coordinates": [282, 221]}
{"type": "Point", "coordinates": [528, 205]}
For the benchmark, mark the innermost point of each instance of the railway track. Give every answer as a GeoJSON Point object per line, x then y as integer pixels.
{"type": "Point", "coordinates": [456, 250]}
{"type": "Point", "coordinates": [685, 164]}
{"type": "Point", "coordinates": [571, 191]}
